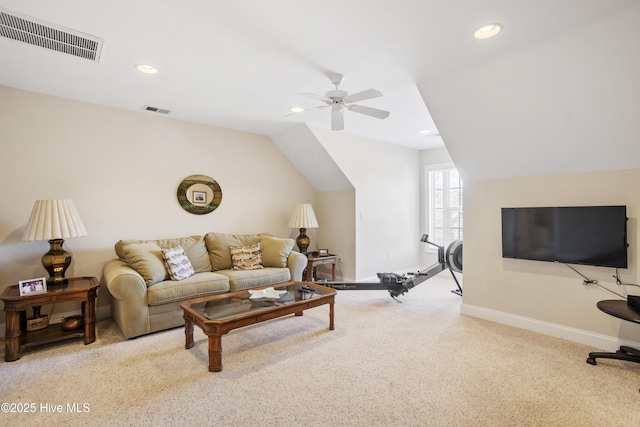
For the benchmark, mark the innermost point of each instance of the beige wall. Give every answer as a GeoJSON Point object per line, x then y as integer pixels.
{"type": "Point", "coordinates": [335, 213]}
{"type": "Point", "coordinates": [386, 179]}
{"type": "Point", "coordinates": [541, 296]}
{"type": "Point", "coordinates": [122, 170]}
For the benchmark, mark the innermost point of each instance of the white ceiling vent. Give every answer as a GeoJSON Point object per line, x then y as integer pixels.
{"type": "Point", "coordinates": [156, 110]}
{"type": "Point", "coordinates": [39, 33]}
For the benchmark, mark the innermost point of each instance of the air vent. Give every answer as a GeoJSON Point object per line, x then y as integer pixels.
{"type": "Point", "coordinates": [39, 33]}
{"type": "Point", "coordinates": [156, 110]}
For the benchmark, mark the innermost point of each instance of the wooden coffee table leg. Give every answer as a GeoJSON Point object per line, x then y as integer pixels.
{"type": "Point", "coordinates": [331, 316]}
{"type": "Point", "coordinates": [188, 333]}
{"type": "Point", "coordinates": [215, 353]}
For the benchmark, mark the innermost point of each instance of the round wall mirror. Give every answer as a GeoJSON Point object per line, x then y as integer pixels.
{"type": "Point", "coordinates": [199, 194]}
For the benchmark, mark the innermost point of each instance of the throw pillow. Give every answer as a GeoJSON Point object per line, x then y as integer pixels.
{"type": "Point", "coordinates": [218, 245]}
{"type": "Point", "coordinates": [194, 248]}
{"type": "Point", "coordinates": [146, 259]}
{"type": "Point", "coordinates": [246, 257]}
{"type": "Point", "coordinates": [177, 263]}
{"type": "Point", "coordinates": [275, 251]}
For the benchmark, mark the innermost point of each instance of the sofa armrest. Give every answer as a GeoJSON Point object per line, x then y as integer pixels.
{"type": "Point", "coordinates": [130, 308]}
{"type": "Point", "coordinates": [296, 263]}
{"type": "Point", "coordinates": [123, 281]}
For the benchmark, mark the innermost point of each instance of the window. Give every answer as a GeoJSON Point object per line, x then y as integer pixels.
{"type": "Point", "coordinates": [445, 204]}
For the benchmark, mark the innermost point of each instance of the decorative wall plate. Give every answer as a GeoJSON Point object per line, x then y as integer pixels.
{"type": "Point", "coordinates": [199, 194]}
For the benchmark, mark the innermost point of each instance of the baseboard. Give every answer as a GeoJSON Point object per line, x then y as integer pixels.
{"type": "Point", "coordinates": [580, 336]}
{"type": "Point", "coordinates": [102, 313]}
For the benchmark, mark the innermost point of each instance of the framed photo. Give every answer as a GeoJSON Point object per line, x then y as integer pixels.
{"type": "Point", "coordinates": [200, 197]}
{"type": "Point", "coordinates": [323, 252]}
{"type": "Point", "coordinates": [32, 286]}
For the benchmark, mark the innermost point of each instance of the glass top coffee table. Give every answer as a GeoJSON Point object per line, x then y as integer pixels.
{"type": "Point", "coordinates": [218, 314]}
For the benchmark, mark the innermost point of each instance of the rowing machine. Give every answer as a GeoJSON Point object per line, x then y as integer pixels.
{"type": "Point", "coordinates": [399, 284]}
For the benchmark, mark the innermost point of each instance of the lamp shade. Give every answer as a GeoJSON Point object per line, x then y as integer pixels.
{"type": "Point", "coordinates": [303, 217]}
{"type": "Point", "coordinates": [54, 219]}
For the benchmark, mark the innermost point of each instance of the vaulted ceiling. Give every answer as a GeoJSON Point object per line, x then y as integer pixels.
{"type": "Point", "coordinates": [241, 64]}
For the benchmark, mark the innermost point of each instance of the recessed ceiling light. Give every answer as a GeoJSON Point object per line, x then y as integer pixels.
{"type": "Point", "coordinates": [425, 131]}
{"type": "Point", "coordinates": [296, 109]}
{"type": "Point", "coordinates": [147, 69]}
{"type": "Point", "coordinates": [487, 31]}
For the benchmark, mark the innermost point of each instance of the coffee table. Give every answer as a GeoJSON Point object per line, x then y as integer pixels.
{"type": "Point", "coordinates": [218, 314]}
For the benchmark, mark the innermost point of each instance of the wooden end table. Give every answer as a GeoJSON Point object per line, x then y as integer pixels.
{"type": "Point", "coordinates": [313, 262]}
{"type": "Point", "coordinates": [83, 289]}
{"type": "Point", "coordinates": [218, 314]}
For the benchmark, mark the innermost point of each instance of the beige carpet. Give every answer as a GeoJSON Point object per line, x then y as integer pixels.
{"type": "Point", "coordinates": [419, 363]}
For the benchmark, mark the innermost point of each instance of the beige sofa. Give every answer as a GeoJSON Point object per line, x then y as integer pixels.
{"type": "Point", "coordinates": [146, 299]}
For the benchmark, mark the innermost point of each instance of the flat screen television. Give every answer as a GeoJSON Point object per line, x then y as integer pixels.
{"type": "Point", "coordinates": [589, 235]}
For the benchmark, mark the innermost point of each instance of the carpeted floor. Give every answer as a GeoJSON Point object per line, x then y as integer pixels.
{"type": "Point", "coordinates": [419, 363]}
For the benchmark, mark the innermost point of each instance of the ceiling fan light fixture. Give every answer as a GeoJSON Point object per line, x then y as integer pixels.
{"type": "Point", "coordinates": [339, 99]}
{"type": "Point", "coordinates": [487, 31]}
{"type": "Point", "coordinates": [147, 69]}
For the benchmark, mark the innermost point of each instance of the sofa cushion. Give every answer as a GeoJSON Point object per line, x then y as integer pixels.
{"type": "Point", "coordinates": [246, 257]}
{"type": "Point", "coordinates": [146, 259]}
{"type": "Point", "coordinates": [197, 286]}
{"type": "Point", "coordinates": [275, 251]}
{"type": "Point", "coordinates": [247, 279]}
{"type": "Point", "coordinates": [177, 263]}
{"type": "Point", "coordinates": [194, 247]}
{"type": "Point", "coordinates": [218, 245]}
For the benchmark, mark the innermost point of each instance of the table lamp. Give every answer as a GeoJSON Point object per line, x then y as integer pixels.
{"type": "Point", "coordinates": [303, 218]}
{"type": "Point", "coordinates": [54, 220]}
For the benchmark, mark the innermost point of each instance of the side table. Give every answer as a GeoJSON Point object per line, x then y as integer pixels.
{"type": "Point", "coordinates": [313, 262]}
{"type": "Point", "coordinates": [622, 310]}
{"type": "Point", "coordinates": [83, 289]}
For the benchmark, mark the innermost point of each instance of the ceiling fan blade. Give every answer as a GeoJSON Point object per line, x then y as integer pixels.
{"type": "Point", "coordinates": [314, 96]}
{"type": "Point", "coordinates": [361, 96]}
{"type": "Point", "coordinates": [373, 112]}
{"type": "Point", "coordinates": [337, 120]}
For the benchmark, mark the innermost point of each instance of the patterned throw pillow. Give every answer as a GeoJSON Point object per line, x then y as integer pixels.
{"type": "Point", "coordinates": [177, 262]}
{"type": "Point", "coordinates": [246, 257]}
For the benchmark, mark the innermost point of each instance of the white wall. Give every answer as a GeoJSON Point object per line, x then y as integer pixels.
{"type": "Point", "coordinates": [386, 179]}
{"type": "Point", "coordinates": [122, 170]}
{"type": "Point", "coordinates": [542, 296]}
{"type": "Point", "coordinates": [360, 208]}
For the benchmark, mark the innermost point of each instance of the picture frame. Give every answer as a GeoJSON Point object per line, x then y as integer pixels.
{"type": "Point", "coordinates": [323, 252]}
{"type": "Point", "coordinates": [32, 286]}
{"type": "Point", "coordinates": [200, 197]}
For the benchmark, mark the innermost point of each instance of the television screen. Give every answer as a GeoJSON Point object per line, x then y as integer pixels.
{"type": "Point", "coordinates": [590, 235]}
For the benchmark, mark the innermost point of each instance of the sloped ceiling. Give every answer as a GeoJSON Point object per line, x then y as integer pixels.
{"type": "Point", "coordinates": [301, 146]}
{"type": "Point", "coordinates": [240, 64]}
{"type": "Point", "coordinates": [570, 103]}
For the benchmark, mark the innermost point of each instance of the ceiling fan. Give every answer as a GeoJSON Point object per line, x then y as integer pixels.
{"type": "Point", "coordinates": [338, 100]}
